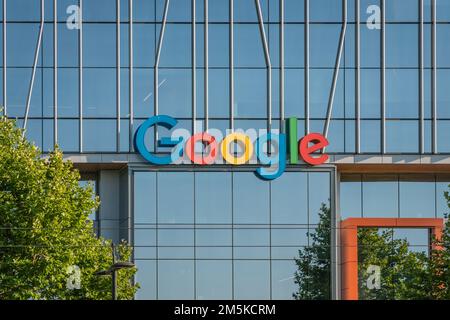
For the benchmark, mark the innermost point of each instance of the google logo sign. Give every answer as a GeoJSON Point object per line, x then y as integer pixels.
{"type": "Point", "coordinates": [204, 148]}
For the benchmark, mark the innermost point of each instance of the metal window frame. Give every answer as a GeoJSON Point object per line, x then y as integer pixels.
{"type": "Point", "coordinates": [282, 68]}
{"type": "Point", "coordinates": [358, 77]}
{"type": "Point", "coordinates": [336, 68]}
{"type": "Point", "coordinates": [156, 67]}
{"type": "Point", "coordinates": [434, 77]}
{"type": "Point", "coordinates": [131, 74]}
{"type": "Point", "coordinates": [231, 39]}
{"type": "Point", "coordinates": [194, 66]}
{"type": "Point", "coordinates": [307, 67]}
{"type": "Point", "coordinates": [118, 73]}
{"type": "Point", "coordinates": [55, 72]}
{"type": "Point", "coordinates": [36, 60]}
{"type": "Point", "coordinates": [383, 77]}
{"type": "Point", "coordinates": [5, 106]}
{"type": "Point", "coordinates": [263, 36]}
{"type": "Point", "coordinates": [206, 64]}
{"type": "Point", "coordinates": [421, 79]}
{"type": "Point", "coordinates": [80, 72]}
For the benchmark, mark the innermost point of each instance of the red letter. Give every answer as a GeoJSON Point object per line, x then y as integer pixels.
{"type": "Point", "coordinates": [305, 150]}
{"type": "Point", "coordinates": [207, 140]}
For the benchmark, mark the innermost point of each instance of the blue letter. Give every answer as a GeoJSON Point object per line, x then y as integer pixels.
{"type": "Point", "coordinates": [279, 159]}
{"type": "Point", "coordinates": [139, 141]}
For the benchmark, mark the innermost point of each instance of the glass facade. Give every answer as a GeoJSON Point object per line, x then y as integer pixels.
{"type": "Point", "coordinates": [370, 75]}
{"type": "Point", "coordinates": [228, 235]}
{"type": "Point", "coordinates": [395, 196]}
{"type": "Point", "coordinates": [96, 63]}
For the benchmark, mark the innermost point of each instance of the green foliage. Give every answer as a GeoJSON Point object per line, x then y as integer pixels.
{"type": "Point", "coordinates": [402, 271]}
{"type": "Point", "coordinates": [44, 227]}
{"type": "Point", "coordinates": [405, 275]}
{"type": "Point", "coordinates": [313, 275]}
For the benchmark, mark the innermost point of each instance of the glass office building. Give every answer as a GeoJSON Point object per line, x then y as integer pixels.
{"type": "Point", "coordinates": [369, 75]}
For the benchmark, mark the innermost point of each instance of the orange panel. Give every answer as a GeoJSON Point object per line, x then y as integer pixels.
{"type": "Point", "coordinates": [349, 245]}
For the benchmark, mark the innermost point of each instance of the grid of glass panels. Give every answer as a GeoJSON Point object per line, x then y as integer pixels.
{"type": "Point", "coordinates": [393, 196]}
{"type": "Point", "coordinates": [96, 112]}
{"type": "Point", "coordinates": [223, 235]}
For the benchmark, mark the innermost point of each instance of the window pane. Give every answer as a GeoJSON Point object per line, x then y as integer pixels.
{"type": "Point", "coordinates": [143, 93]}
{"type": "Point", "coordinates": [289, 199]}
{"type": "Point", "coordinates": [370, 93]}
{"type": "Point", "coordinates": [144, 45]}
{"type": "Point", "coordinates": [443, 10]}
{"type": "Point", "coordinates": [380, 197]}
{"type": "Point", "coordinates": [443, 95]}
{"type": "Point", "coordinates": [250, 199]}
{"type": "Point", "coordinates": [145, 243]}
{"type": "Point", "coordinates": [99, 92]}
{"type": "Point", "coordinates": [402, 136]}
{"type": "Point", "coordinates": [402, 97]}
{"type": "Point", "coordinates": [104, 132]}
{"type": "Point", "coordinates": [283, 284]}
{"type": "Point", "coordinates": [443, 133]}
{"type": "Point", "coordinates": [99, 10]}
{"type": "Point", "coordinates": [144, 10]}
{"type": "Point", "coordinates": [326, 11]}
{"type": "Point", "coordinates": [179, 186]}
{"type": "Point", "coordinates": [250, 88]}
{"type": "Point", "coordinates": [417, 198]}
{"type": "Point", "coordinates": [319, 194]}
{"type": "Point", "coordinates": [69, 135]}
{"type": "Point", "coordinates": [218, 45]}
{"type": "Point", "coordinates": [146, 277]}
{"type": "Point", "coordinates": [370, 47]}
{"type": "Point", "coordinates": [179, 10]}
{"type": "Point", "coordinates": [294, 10]}
{"type": "Point", "coordinates": [176, 48]}
{"type": "Point", "coordinates": [214, 280]}
{"type": "Point", "coordinates": [294, 45]}
{"type": "Point", "coordinates": [213, 197]}
{"type": "Point", "coordinates": [68, 92]}
{"type": "Point", "coordinates": [23, 10]}
{"type": "Point", "coordinates": [219, 10]}
{"type": "Point", "coordinates": [175, 237]}
{"type": "Point", "coordinates": [350, 201]}
{"type": "Point", "coordinates": [442, 186]}
{"type": "Point", "coordinates": [21, 44]}
{"type": "Point", "coordinates": [175, 91]}
{"type": "Point", "coordinates": [402, 43]}
{"type": "Point", "coordinates": [320, 86]}
{"type": "Point", "coordinates": [324, 43]}
{"type": "Point", "coordinates": [175, 280]}
{"type": "Point", "coordinates": [418, 239]}
{"type": "Point", "coordinates": [402, 10]}
{"type": "Point", "coordinates": [99, 45]}
{"type": "Point", "coordinates": [248, 48]}
{"type": "Point", "coordinates": [17, 92]}
{"type": "Point", "coordinates": [370, 136]}
{"type": "Point", "coordinates": [144, 197]}
{"type": "Point", "coordinates": [251, 280]}
{"type": "Point", "coordinates": [289, 237]}
{"type": "Point", "coordinates": [67, 46]}
{"type": "Point", "coordinates": [219, 91]}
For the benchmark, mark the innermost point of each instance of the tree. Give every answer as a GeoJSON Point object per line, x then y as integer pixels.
{"type": "Point", "coordinates": [439, 269]}
{"type": "Point", "coordinates": [403, 274]}
{"type": "Point", "coordinates": [314, 266]}
{"type": "Point", "coordinates": [45, 234]}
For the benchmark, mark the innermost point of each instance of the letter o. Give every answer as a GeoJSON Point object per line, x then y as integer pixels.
{"type": "Point", "coordinates": [200, 159]}
{"type": "Point", "coordinates": [237, 137]}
